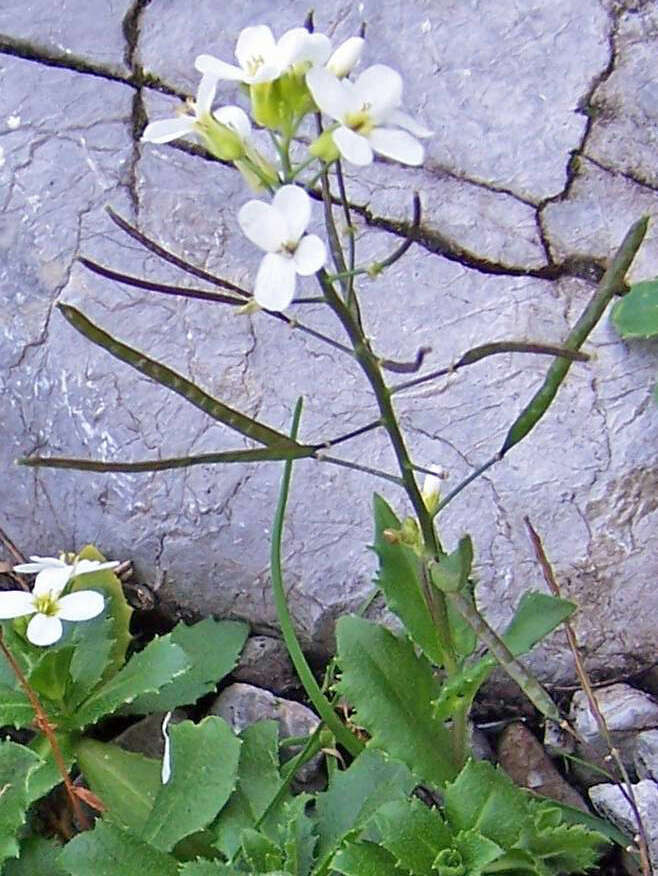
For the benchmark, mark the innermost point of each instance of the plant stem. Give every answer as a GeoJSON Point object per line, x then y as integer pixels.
{"type": "Point", "coordinates": [315, 695]}
{"type": "Point", "coordinates": [44, 725]}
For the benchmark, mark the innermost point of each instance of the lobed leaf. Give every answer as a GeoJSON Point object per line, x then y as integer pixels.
{"type": "Point", "coordinates": [15, 708]}
{"type": "Point", "coordinates": [204, 768]}
{"type": "Point", "coordinates": [146, 672]}
{"type": "Point", "coordinates": [413, 833]}
{"type": "Point", "coordinates": [38, 857]}
{"type": "Point", "coordinates": [16, 764]}
{"type": "Point", "coordinates": [125, 781]}
{"type": "Point", "coordinates": [391, 689]}
{"type": "Point", "coordinates": [366, 859]}
{"type": "Point", "coordinates": [108, 850]}
{"type": "Point", "coordinates": [212, 649]}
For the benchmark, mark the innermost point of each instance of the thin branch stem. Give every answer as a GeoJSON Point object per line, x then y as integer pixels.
{"type": "Point", "coordinates": [348, 435]}
{"type": "Point", "coordinates": [627, 786]}
{"type": "Point", "coordinates": [44, 725]}
{"type": "Point", "coordinates": [397, 254]}
{"type": "Point", "coordinates": [356, 466]}
{"type": "Point", "coordinates": [469, 480]}
{"type": "Point", "coordinates": [351, 248]}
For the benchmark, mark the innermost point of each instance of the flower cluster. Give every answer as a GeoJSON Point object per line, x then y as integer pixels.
{"type": "Point", "coordinates": [46, 604]}
{"type": "Point", "coordinates": [288, 80]}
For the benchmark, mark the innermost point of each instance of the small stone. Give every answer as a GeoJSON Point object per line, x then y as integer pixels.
{"type": "Point", "coordinates": [626, 712]}
{"type": "Point", "coordinates": [609, 802]}
{"type": "Point", "coordinates": [264, 662]}
{"type": "Point", "coordinates": [646, 754]}
{"type": "Point", "coordinates": [243, 704]}
{"type": "Point", "coordinates": [524, 760]}
{"type": "Point", "coordinates": [557, 741]}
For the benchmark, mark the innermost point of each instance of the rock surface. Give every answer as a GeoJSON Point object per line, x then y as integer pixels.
{"type": "Point", "coordinates": [264, 662]}
{"type": "Point", "coordinates": [544, 153]}
{"type": "Point", "coordinates": [609, 802]}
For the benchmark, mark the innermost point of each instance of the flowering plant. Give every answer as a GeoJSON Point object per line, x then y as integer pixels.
{"type": "Point", "coordinates": [241, 816]}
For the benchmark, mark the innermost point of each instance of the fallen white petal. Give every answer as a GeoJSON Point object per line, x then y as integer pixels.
{"type": "Point", "coordinates": [404, 120]}
{"type": "Point", "coordinates": [165, 130]}
{"type": "Point", "coordinates": [353, 146]}
{"type": "Point", "coordinates": [275, 282]}
{"type": "Point", "coordinates": [263, 225]}
{"type": "Point", "coordinates": [16, 603]}
{"type": "Point", "coordinates": [310, 255]}
{"type": "Point", "coordinates": [219, 69]}
{"type": "Point", "coordinates": [166, 757]}
{"type": "Point", "coordinates": [43, 630]}
{"type": "Point", "coordinates": [295, 206]}
{"type": "Point", "coordinates": [381, 88]}
{"type": "Point", "coordinates": [81, 605]}
{"type": "Point", "coordinates": [398, 145]}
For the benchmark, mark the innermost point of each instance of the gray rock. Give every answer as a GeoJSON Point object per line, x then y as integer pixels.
{"type": "Point", "coordinates": [145, 736]}
{"type": "Point", "coordinates": [646, 754]}
{"type": "Point", "coordinates": [609, 802]}
{"type": "Point", "coordinates": [243, 704]}
{"type": "Point", "coordinates": [625, 710]}
{"type": "Point", "coordinates": [264, 662]}
{"type": "Point", "coordinates": [503, 211]}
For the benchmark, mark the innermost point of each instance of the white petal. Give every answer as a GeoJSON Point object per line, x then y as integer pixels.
{"type": "Point", "coordinates": [380, 87]}
{"type": "Point", "coordinates": [275, 282]}
{"type": "Point", "coordinates": [404, 120]}
{"type": "Point", "coordinates": [16, 603]}
{"type": "Point", "coordinates": [235, 118]}
{"type": "Point", "coordinates": [298, 45]}
{"type": "Point", "coordinates": [330, 94]}
{"type": "Point", "coordinates": [263, 225]}
{"type": "Point", "coordinates": [39, 563]}
{"type": "Point", "coordinates": [205, 94]}
{"type": "Point", "coordinates": [165, 773]}
{"type": "Point", "coordinates": [83, 567]}
{"type": "Point", "coordinates": [353, 146]}
{"type": "Point", "coordinates": [346, 57]}
{"type": "Point", "coordinates": [310, 255]}
{"type": "Point", "coordinates": [398, 145]}
{"type": "Point", "coordinates": [43, 630]}
{"type": "Point", "coordinates": [295, 206]}
{"type": "Point", "coordinates": [165, 130]}
{"type": "Point", "coordinates": [81, 605]}
{"type": "Point", "coordinates": [255, 42]}
{"type": "Point", "coordinates": [219, 69]}
{"type": "Point", "coordinates": [51, 581]}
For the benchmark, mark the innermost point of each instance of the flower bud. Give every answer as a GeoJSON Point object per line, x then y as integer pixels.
{"type": "Point", "coordinates": [222, 141]}
{"type": "Point", "coordinates": [431, 491]}
{"type": "Point", "coordinates": [346, 57]}
{"type": "Point", "coordinates": [324, 148]}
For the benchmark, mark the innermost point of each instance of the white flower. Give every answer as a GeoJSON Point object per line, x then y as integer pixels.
{"type": "Point", "coordinates": [45, 601]}
{"type": "Point", "coordinates": [364, 108]}
{"type": "Point", "coordinates": [346, 57]}
{"type": "Point", "coordinates": [262, 59]}
{"type": "Point", "coordinates": [279, 228]}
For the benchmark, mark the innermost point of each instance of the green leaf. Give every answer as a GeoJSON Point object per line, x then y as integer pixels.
{"type": "Point", "coordinates": [126, 782]}
{"type": "Point", "coordinates": [107, 850]}
{"type": "Point", "coordinates": [16, 764]}
{"type": "Point", "coordinates": [212, 648]}
{"type": "Point", "coordinates": [260, 852]}
{"type": "Point", "coordinates": [636, 314]}
{"type": "Point", "coordinates": [47, 775]}
{"type": "Point", "coordinates": [476, 850]}
{"type": "Point", "coordinates": [365, 859]}
{"type": "Point", "coordinates": [485, 798]}
{"type": "Point", "coordinates": [204, 766]}
{"type": "Point", "coordinates": [38, 857]}
{"type": "Point", "coordinates": [15, 708]}
{"type": "Point", "coordinates": [354, 795]}
{"type": "Point", "coordinates": [400, 581]}
{"type": "Point", "coordinates": [146, 672]}
{"type": "Point", "coordinates": [258, 784]}
{"type": "Point", "coordinates": [413, 833]}
{"type": "Point", "coordinates": [50, 675]}
{"type": "Point", "coordinates": [117, 609]}
{"type": "Point", "coordinates": [562, 848]}
{"type": "Point", "coordinates": [208, 868]}
{"type": "Point", "coordinates": [94, 658]}
{"type": "Point", "coordinates": [298, 839]}
{"type": "Point", "coordinates": [177, 383]}
{"type": "Point", "coordinates": [537, 615]}
{"type": "Point", "coordinates": [452, 571]}
{"type": "Point", "coordinates": [458, 691]}
{"type": "Point", "coordinates": [392, 688]}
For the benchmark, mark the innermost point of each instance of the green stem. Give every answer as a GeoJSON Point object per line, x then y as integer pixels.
{"type": "Point", "coordinates": [315, 695]}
